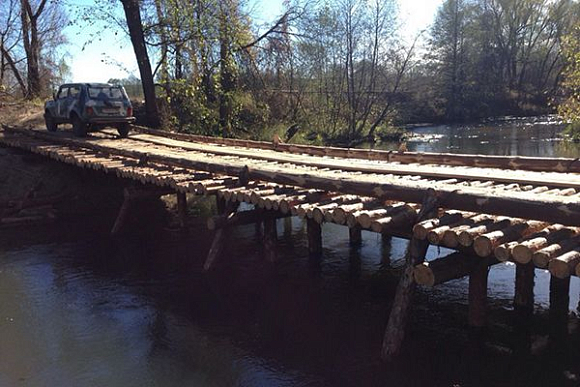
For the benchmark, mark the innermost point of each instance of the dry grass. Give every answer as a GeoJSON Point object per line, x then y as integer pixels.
{"type": "Point", "coordinates": [22, 113]}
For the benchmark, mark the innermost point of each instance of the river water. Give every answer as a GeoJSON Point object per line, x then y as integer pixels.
{"type": "Point", "coordinates": [80, 308]}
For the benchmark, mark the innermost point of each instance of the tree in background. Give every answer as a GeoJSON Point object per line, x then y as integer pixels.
{"type": "Point", "coordinates": [135, 26]}
{"type": "Point", "coordinates": [570, 107]}
{"type": "Point", "coordinates": [30, 35]}
{"type": "Point", "coordinates": [495, 57]}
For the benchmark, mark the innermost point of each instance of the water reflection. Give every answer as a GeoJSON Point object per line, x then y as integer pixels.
{"type": "Point", "coordinates": [517, 136]}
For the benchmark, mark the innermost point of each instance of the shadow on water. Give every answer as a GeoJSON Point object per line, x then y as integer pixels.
{"type": "Point", "coordinates": [79, 307]}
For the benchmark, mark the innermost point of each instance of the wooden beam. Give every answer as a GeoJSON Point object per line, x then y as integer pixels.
{"type": "Point", "coordinates": [314, 231]}
{"type": "Point", "coordinates": [355, 235]}
{"type": "Point", "coordinates": [450, 267]}
{"type": "Point", "coordinates": [182, 208]}
{"type": "Point", "coordinates": [559, 309]}
{"type": "Point", "coordinates": [524, 288]}
{"type": "Point", "coordinates": [218, 243]}
{"type": "Point", "coordinates": [395, 330]}
{"type": "Point", "coordinates": [270, 239]}
{"type": "Point", "coordinates": [478, 295]}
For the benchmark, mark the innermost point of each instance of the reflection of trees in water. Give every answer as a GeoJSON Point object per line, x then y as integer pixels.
{"type": "Point", "coordinates": [522, 137]}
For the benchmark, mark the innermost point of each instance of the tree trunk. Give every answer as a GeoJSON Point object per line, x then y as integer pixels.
{"type": "Point", "coordinates": [29, 21]}
{"type": "Point", "coordinates": [227, 76]}
{"type": "Point", "coordinates": [6, 55]}
{"type": "Point", "coordinates": [133, 16]}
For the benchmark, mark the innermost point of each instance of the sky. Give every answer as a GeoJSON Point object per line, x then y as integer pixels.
{"type": "Point", "coordinates": [110, 54]}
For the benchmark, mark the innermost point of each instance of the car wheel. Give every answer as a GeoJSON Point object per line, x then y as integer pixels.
{"type": "Point", "coordinates": [79, 127]}
{"type": "Point", "coordinates": [51, 126]}
{"type": "Point", "coordinates": [123, 129]}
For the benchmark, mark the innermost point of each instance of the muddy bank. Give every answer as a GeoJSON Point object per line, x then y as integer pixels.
{"type": "Point", "coordinates": [35, 188]}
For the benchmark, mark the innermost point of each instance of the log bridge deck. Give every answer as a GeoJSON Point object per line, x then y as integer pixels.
{"type": "Point", "coordinates": [490, 209]}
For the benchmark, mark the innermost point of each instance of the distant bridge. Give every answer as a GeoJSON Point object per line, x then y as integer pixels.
{"type": "Point", "coordinates": [490, 209]}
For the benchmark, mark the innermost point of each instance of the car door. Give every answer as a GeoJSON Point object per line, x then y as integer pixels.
{"type": "Point", "coordinates": [61, 99]}
{"type": "Point", "coordinates": [73, 101]}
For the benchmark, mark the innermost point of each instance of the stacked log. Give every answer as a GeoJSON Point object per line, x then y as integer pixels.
{"type": "Point", "coordinates": [543, 256]}
{"type": "Point", "coordinates": [453, 266]}
{"type": "Point", "coordinates": [566, 264]}
{"type": "Point", "coordinates": [421, 230]}
{"type": "Point", "coordinates": [484, 244]}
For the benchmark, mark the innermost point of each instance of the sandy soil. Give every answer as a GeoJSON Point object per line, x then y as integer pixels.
{"type": "Point", "coordinates": [22, 113]}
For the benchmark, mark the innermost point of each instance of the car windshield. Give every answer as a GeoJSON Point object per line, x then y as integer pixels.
{"type": "Point", "coordinates": [105, 93]}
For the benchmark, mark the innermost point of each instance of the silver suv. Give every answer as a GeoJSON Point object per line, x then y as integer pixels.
{"type": "Point", "coordinates": [89, 107]}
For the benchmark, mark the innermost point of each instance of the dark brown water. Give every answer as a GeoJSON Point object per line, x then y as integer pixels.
{"type": "Point", "coordinates": [79, 308]}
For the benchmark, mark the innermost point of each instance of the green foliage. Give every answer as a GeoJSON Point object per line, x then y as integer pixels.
{"type": "Point", "coordinates": [573, 131]}
{"type": "Point", "coordinates": [189, 109]}
{"type": "Point", "coordinates": [570, 107]}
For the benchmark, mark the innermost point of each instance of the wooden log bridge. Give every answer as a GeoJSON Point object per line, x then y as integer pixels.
{"type": "Point", "coordinates": [489, 209]}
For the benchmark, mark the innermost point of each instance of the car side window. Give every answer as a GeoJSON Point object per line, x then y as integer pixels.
{"type": "Point", "coordinates": [63, 93]}
{"type": "Point", "coordinates": [75, 91]}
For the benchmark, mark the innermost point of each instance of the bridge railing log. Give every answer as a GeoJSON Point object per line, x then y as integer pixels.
{"type": "Point", "coordinates": [503, 162]}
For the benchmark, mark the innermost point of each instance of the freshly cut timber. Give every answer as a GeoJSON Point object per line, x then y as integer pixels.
{"type": "Point", "coordinates": [484, 244]}
{"type": "Point", "coordinates": [552, 208]}
{"type": "Point", "coordinates": [543, 256]}
{"type": "Point", "coordinates": [503, 162]}
{"type": "Point", "coordinates": [565, 265]}
{"type": "Point", "coordinates": [453, 266]}
{"type": "Point", "coordinates": [524, 251]}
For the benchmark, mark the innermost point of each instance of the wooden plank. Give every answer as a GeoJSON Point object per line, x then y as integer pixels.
{"type": "Point", "coordinates": [435, 171]}
{"type": "Point", "coordinates": [504, 162]}
{"type": "Point", "coordinates": [556, 209]}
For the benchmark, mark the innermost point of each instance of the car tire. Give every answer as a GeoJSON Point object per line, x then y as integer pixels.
{"type": "Point", "coordinates": [51, 126]}
{"type": "Point", "coordinates": [123, 129]}
{"type": "Point", "coordinates": [79, 127]}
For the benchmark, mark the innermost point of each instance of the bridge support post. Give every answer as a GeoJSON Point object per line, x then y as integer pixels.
{"type": "Point", "coordinates": [218, 242]}
{"type": "Point", "coordinates": [270, 239]}
{"type": "Point", "coordinates": [182, 208]}
{"type": "Point", "coordinates": [123, 212]}
{"type": "Point", "coordinates": [524, 290]}
{"type": "Point", "coordinates": [559, 300]}
{"type": "Point", "coordinates": [395, 331]}
{"type": "Point", "coordinates": [523, 308]}
{"type": "Point", "coordinates": [477, 296]}
{"type": "Point", "coordinates": [314, 231]}
{"type": "Point", "coordinates": [386, 247]}
{"type": "Point", "coordinates": [355, 235]}
{"type": "Point", "coordinates": [131, 195]}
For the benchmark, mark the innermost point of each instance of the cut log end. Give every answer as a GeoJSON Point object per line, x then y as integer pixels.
{"type": "Point", "coordinates": [465, 239]}
{"type": "Point", "coordinates": [483, 246]}
{"type": "Point", "coordinates": [502, 253]}
{"type": "Point", "coordinates": [559, 269]}
{"type": "Point", "coordinates": [424, 275]}
{"type": "Point", "coordinates": [522, 254]}
{"type": "Point", "coordinates": [450, 239]}
{"type": "Point", "coordinates": [541, 259]}
{"type": "Point", "coordinates": [420, 232]}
